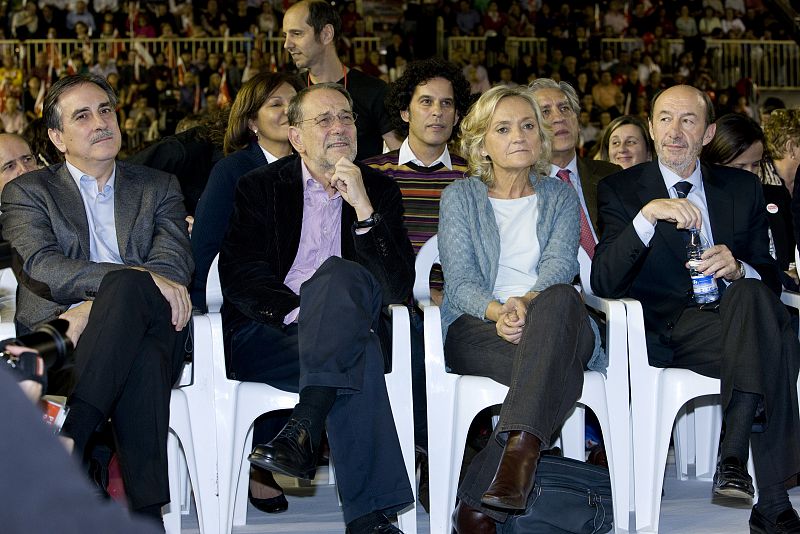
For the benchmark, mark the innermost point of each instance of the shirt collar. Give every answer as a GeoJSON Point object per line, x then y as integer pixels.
{"type": "Point", "coordinates": [572, 167]}
{"type": "Point", "coordinates": [311, 185]}
{"type": "Point", "coordinates": [77, 174]}
{"type": "Point", "coordinates": [407, 155]}
{"type": "Point", "coordinates": [671, 178]}
{"type": "Point", "coordinates": [268, 155]}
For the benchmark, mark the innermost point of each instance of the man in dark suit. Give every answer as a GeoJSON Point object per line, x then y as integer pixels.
{"type": "Point", "coordinates": [105, 245]}
{"type": "Point", "coordinates": [747, 340]}
{"type": "Point", "coordinates": [561, 108]}
{"type": "Point", "coordinates": [315, 249]}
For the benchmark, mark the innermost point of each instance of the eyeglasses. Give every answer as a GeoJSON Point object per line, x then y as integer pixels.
{"type": "Point", "coordinates": [326, 120]}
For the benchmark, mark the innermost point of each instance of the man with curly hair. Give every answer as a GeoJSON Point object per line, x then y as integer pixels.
{"type": "Point", "coordinates": [425, 105]}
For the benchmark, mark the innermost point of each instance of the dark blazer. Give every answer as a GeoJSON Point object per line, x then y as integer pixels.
{"type": "Point", "coordinates": [591, 171]}
{"type": "Point", "coordinates": [45, 221]}
{"type": "Point", "coordinates": [189, 155]}
{"type": "Point", "coordinates": [264, 235]}
{"type": "Point", "coordinates": [214, 211]}
{"type": "Point", "coordinates": [656, 275]}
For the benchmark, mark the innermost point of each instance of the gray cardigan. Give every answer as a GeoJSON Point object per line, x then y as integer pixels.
{"type": "Point", "coordinates": [469, 247]}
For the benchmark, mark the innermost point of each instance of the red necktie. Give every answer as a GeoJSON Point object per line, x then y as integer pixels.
{"type": "Point", "coordinates": [587, 239]}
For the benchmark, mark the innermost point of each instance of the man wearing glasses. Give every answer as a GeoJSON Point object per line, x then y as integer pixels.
{"type": "Point", "coordinates": [314, 252]}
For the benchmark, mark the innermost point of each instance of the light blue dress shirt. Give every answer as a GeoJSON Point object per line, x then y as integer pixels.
{"type": "Point", "coordinates": [99, 206]}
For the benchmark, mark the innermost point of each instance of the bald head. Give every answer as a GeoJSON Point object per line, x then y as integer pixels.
{"type": "Point", "coordinates": [16, 158]}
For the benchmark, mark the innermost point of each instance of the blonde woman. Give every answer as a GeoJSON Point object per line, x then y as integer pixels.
{"type": "Point", "coordinates": [508, 243]}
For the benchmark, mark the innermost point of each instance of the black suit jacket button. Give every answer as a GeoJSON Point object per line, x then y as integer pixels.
{"type": "Point", "coordinates": [670, 325]}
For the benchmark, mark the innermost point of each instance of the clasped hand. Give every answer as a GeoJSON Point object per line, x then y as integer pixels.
{"type": "Point", "coordinates": [512, 316]}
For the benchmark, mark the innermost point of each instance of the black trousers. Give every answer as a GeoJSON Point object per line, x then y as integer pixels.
{"type": "Point", "coordinates": [126, 362]}
{"type": "Point", "coordinates": [544, 373]}
{"type": "Point", "coordinates": [750, 345]}
{"type": "Point", "coordinates": [335, 344]}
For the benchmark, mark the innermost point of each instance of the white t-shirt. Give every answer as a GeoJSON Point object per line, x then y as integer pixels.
{"type": "Point", "coordinates": [519, 246]}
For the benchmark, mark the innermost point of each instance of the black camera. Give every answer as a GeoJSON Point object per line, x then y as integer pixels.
{"type": "Point", "coordinates": [51, 343]}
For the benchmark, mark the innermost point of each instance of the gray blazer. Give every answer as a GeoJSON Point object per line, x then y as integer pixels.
{"type": "Point", "coordinates": [44, 219]}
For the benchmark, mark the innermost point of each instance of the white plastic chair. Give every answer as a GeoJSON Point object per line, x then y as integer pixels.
{"type": "Point", "coordinates": [454, 400]}
{"type": "Point", "coordinates": [657, 395]}
{"type": "Point", "coordinates": [238, 404]}
{"type": "Point", "coordinates": [192, 424]}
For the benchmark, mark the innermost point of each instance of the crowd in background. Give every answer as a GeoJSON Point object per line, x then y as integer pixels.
{"type": "Point", "coordinates": [156, 92]}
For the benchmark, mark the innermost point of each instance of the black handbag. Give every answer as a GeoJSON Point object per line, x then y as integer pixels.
{"type": "Point", "coordinates": [569, 497]}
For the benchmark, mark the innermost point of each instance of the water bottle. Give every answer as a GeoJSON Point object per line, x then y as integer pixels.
{"type": "Point", "coordinates": [704, 287]}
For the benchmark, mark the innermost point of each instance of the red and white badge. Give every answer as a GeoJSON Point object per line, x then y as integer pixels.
{"type": "Point", "coordinates": [772, 208]}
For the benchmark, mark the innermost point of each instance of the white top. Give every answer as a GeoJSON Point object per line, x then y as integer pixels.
{"type": "Point", "coordinates": [519, 247]}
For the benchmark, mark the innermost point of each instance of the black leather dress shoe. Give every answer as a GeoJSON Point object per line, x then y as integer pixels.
{"type": "Point", "coordinates": [384, 527]}
{"type": "Point", "coordinates": [290, 453]}
{"type": "Point", "coordinates": [273, 505]}
{"type": "Point", "coordinates": [731, 479]}
{"type": "Point", "coordinates": [787, 523]}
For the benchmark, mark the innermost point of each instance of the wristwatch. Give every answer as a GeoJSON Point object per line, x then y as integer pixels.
{"type": "Point", "coordinates": [742, 272]}
{"type": "Point", "coordinates": [369, 222]}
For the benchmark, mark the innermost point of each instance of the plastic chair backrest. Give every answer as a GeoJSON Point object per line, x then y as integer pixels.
{"type": "Point", "coordinates": [214, 287]}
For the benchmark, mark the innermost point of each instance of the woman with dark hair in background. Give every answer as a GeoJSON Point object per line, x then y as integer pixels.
{"type": "Point", "coordinates": [739, 142]}
{"type": "Point", "coordinates": [626, 142]}
{"type": "Point", "coordinates": [257, 135]}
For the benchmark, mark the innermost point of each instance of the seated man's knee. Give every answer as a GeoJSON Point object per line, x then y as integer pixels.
{"type": "Point", "coordinates": [748, 288]}
{"type": "Point", "coordinates": [344, 271]}
{"type": "Point", "coordinates": [128, 285]}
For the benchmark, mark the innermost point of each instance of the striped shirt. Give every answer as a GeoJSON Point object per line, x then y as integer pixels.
{"type": "Point", "coordinates": [421, 188]}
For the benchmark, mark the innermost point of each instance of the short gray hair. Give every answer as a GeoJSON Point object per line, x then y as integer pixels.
{"type": "Point", "coordinates": [564, 87]}
{"type": "Point", "coordinates": [295, 112]}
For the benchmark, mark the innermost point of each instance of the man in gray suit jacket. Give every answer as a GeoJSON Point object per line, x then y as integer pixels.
{"type": "Point", "coordinates": [104, 244]}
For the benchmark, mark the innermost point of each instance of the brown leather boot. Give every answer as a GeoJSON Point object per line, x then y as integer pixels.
{"type": "Point", "coordinates": [514, 478]}
{"type": "Point", "coordinates": [468, 520]}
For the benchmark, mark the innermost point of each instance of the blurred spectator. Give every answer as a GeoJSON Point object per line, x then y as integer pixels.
{"type": "Point", "coordinates": [50, 18]}
{"type": "Point", "coordinates": [267, 21]}
{"type": "Point", "coordinates": [493, 20]}
{"type": "Point", "coordinates": [770, 104]}
{"type": "Point", "coordinates": [350, 17]}
{"type": "Point", "coordinates": [732, 23]}
{"type": "Point", "coordinates": [467, 18]}
{"type": "Point", "coordinates": [685, 24]}
{"type": "Point", "coordinates": [783, 143]}
{"type": "Point", "coordinates": [615, 18]}
{"type": "Point", "coordinates": [104, 65]}
{"type": "Point", "coordinates": [738, 6]}
{"type": "Point", "coordinates": [12, 117]}
{"type": "Point", "coordinates": [212, 18]}
{"type": "Point", "coordinates": [25, 22]}
{"type": "Point", "coordinates": [11, 74]}
{"type": "Point", "coordinates": [646, 68]}
{"type": "Point", "coordinates": [476, 74]}
{"type": "Point", "coordinates": [398, 47]}
{"type": "Point", "coordinates": [709, 22]}
{"type": "Point", "coordinates": [240, 18]}
{"type": "Point", "coordinates": [608, 60]}
{"type": "Point", "coordinates": [582, 86]}
{"type": "Point", "coordinates": [605, 92]}
{"type": "Point", "coordinates": [30, 97]}
{"type": "Point", "coordinates": [161, 16]}
{"type": "Point", "coordinates": [589, 132]}
{"type": "Point", "coordinates": [45, 151]}
{"type": "Point", "coordinates": [79, 13]}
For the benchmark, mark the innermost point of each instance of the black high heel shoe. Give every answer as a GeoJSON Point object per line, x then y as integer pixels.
{"type": "Point", "coordinates": [273, 505]}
